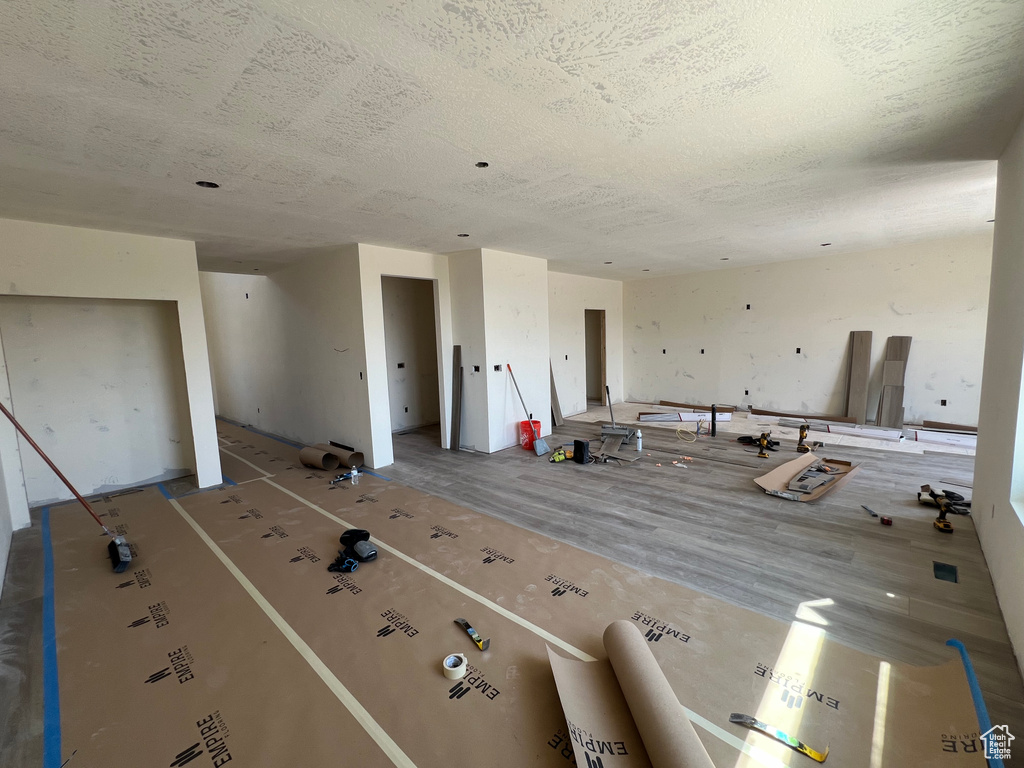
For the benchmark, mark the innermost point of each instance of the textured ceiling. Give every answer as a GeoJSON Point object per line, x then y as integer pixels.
{"type": "Point", "coordinates": [654, 134]}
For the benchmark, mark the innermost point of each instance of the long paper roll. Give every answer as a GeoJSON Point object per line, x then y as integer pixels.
{"type": "Point", "coordinates": [349, 459]}
{"type": "Point", "coordinates": [319, 458]}
{"type": "Point", "coordinates": [664, 727]}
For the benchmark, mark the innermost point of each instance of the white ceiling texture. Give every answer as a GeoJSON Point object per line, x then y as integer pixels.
{"type": "Point", "coordinates": [654, 134]}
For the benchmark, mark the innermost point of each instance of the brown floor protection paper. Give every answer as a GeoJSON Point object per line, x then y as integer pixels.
{"type": "Point", "coordinates": [352, 662]}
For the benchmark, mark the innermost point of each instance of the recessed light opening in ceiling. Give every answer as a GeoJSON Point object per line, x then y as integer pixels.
{"type": "Point", "coordinates": [824, 244]}
{"type": "Point", "coordinates": [725, 258]}
{"type": "Point", "coordinates": [462, 234]}
{"type": "Point", "coordinates": [646, 270]}
{"type": "Point", "coordinates": [208, 184]}
{"type": "Point", "coordinates": [607, 262]}
{"type": "Point", "coordinates": [482, 164]}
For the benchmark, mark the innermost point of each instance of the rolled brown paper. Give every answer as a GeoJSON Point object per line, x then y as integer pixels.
{"type": "Point", "coordinates": [347, 458]}
{"type": "Point", "coordinates": [319, 458]}
{"type": "Point", "coordinates": [664, 727]}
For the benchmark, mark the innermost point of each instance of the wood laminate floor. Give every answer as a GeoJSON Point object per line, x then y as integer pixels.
{"type": "Point", "coordinates": [709, 527]}
{"type": "Point", "coordinates": [706, 526]}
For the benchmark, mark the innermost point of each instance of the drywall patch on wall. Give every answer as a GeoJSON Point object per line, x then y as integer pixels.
{"type": "Point", "coordinates": [411, 346]}
{"type": "Point", "coordinates": [936, 292]}
{"type": "Point", "coordinates": [100, 385]}
{"type": "Point", "coordinates": [569, 296]}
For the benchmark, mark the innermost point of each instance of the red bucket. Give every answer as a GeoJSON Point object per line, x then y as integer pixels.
{"type": "Point", "coordinates": [526, 434]}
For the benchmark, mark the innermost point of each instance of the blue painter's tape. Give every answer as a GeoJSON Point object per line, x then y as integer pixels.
{"type": "Point", "coordinates": [227, 480]}
{"type": "Point", "coordinates": [164, 491]}
{"type": "Point", "coordinates": [51, 687]}
{"type": "Point", "coordinates": [984, 722]}
{"type": "Point", "coordinates": [369, 472]}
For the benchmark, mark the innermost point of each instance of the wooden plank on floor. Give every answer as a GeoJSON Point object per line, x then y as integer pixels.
{"type": "Point", "coordinates": [951, 427]}
{"type": "Point", "coordinates": [857, 376]}
{"type": "Point", "coordinates": [691, 406]}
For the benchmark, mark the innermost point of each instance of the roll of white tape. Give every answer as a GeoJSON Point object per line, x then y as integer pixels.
{"type": "Point", "coordinates": [454, 666]}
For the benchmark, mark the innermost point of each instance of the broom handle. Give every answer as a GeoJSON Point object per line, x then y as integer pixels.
{"type": "Point", "coordinates": [529, 415]}
{"type": "Point", "coordinates": [53, 466]}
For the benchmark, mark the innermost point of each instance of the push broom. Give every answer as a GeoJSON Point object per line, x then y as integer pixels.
{"type": "Point", "coordinates": [539, 445]}
{"type": "Point", "coordinates": [120, 553]}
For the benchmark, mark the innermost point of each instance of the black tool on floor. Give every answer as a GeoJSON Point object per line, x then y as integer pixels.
{"type": "Point", "coordinates": [581, 451]}
{"type": "Point", "coordinates": [118, 549]}
{"type": "Point", "coordinates": [357, 549]}
{"type": "Point", "coordinates": [870, 511]}
{"type": "Point", "coordinates": [714, 420]}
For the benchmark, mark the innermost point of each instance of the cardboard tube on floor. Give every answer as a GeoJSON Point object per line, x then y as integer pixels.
{"type": "Point", "coordinates": [319, 458]}
{"type": "Point", "coordinates": [664, 727]}
{"type": "Point", "coordinates": [348, 459]}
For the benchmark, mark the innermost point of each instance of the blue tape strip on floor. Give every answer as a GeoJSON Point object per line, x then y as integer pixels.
{"type": "Point", "coordinates": [164, 491]}
{"type": "Point", "coordinates": [984, 722]}
{"type": "Point", "coordinates": [51, 688]}
{"type": "Point", "coordinates": [225, 479]}
{"type": "Point", "coordinates": [369, 472]}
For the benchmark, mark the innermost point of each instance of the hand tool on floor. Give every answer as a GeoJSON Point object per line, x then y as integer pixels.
{"type": "Point", "coordinates": [118, 549]}
{"type": "Point", "coordinates": [482, 644]}
{"type": "Point", "coordinates": [539, 446]}
{"type": "Point", "coordinates": [870, 511]}
{"type": "Point", "coordinates": [764, 442]}
{"type": "Point", "coordinates": [615, 430]}
{"type": "Point", "coordinates": [756, 725]}
{"type": "Point", "coordinates": [947, 502]}
{"type": "Point", "coordinates": [801, 447]}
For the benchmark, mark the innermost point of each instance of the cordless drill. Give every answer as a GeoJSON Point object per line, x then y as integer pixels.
{"type": "Point", "coordinates": [801, 447]}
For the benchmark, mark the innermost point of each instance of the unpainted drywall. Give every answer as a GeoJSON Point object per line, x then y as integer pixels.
{"type": "Point", "coordinates": [516, 328]}
{"type": "Point", "coordinates": [377, 261]}
{"type": "Point", "coordinates": [100, 386]}
{"type": "Point", "coordinates": [47, 260]}
{"type": "Point", "coordinates": [411, 352]}
{"type": "Point", "coordinates": [568, 298]}
{"type": "Point", "coordinates": [693, 339]}
{"type": "Point", "coordinates": [288, 349]}
{"type": "Point", "coordinates": [468, 330]}
{"type": "Point", "coordinates": [998, 510]}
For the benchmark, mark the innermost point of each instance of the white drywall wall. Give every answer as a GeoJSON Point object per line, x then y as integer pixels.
{"type": "Point", "coordinates": [998, 510]}
{"type": "Point", "coordinates": [100, 386]}
{"type": "Point", "coordinates": [468, 330]}
{"type": "Point", "coordinates": [936, 292]}
{"type": "Point", "coordinates": [411, 352]}
{"type": "Point", "coordinates": [377, 261]}
{"type": "Point", "coordinates": [287, 350]}
{"type": "Point", "coordinates": [47, 260]}
{"type": "Point", "coordinates": [568, 297]}
{"type": "Point", "coordinates": [516, 329]}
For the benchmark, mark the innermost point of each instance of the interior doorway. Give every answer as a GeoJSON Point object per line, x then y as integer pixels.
{"type": "Point", "coordinates": [410, 341]}
{"type": "Point", "coordinates": [597, 378]}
